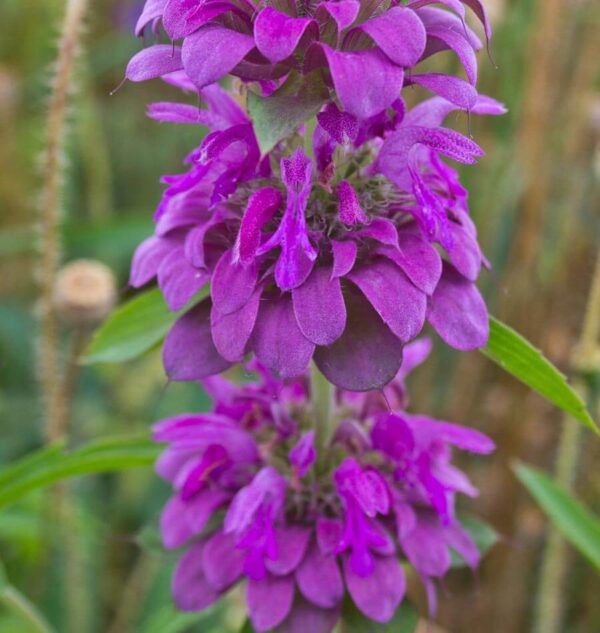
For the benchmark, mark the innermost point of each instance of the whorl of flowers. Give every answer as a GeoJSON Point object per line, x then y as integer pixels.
{"type": "Point", "coordinates": [364, 51]}
{"type": "Point", "coordinates": [306, 521]}
{"type": "Point", "coordinates": [326, 252]}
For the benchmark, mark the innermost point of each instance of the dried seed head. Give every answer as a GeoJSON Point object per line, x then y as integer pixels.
{"type": "Point", "coordinates": [84, 293]}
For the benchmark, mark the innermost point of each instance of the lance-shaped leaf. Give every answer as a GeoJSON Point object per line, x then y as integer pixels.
{"type": "Point", "coordinates": [279, 115]}
{"type": "Point", "coordinates": [134, 328]}
{"type": "Point", "coordinates": [48, 466]}
{"type": "Point", "coordinates": [521, 359]}
{"type": "Point", "coordinates": [577, 524]}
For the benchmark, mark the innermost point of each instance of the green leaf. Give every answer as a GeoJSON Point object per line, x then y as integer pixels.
{"type": "Point", "coordinates": [279, 115]}
{"type": "Point", "coordinates": [134, 328]}
{"type": "Point", "coordinates": [405, 620]}
{"type": "Point", "coordinates": [518, 357]}
{"type": "Point", "coordinates": [46, 467]}
{"type": "Point", "coordinates": [483, 534]}
{"type": "Point", "coordinates": [578, 525]}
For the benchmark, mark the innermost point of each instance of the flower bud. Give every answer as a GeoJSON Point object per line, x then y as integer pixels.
{"type": "Point", "coordinates": [84, 293]}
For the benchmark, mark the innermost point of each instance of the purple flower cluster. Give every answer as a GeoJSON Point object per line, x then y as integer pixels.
{"type": "Point", "coordinates": [255, 499]}
{"type": "Point", "coordinates": [364, 52]}
{"type": "Point", "coordinates": [331, 256]}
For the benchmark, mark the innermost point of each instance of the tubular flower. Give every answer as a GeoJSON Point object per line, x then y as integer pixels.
{"type": "Point", "coordinates": [362, 52]}
{"type": "Point", "coordinates": [303, 525]}
{"type": "Point", "coordinates": [332, 256]}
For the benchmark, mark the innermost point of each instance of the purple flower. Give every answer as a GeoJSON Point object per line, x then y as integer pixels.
{"type": "Point", "coordinates": [361, 51]}
{"type": "Point", "coordinates": [331, 259]}
{"type": "Point", "coordinates": [249, 506]}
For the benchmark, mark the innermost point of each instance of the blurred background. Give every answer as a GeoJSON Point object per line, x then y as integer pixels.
{"type": "Point", "coordinates": [535, 199]}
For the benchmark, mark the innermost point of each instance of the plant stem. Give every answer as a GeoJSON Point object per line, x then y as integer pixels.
{"type": "Point", "coordinates": [310, 127]}
{"type": "Point", "coordinates": [550, 604]}
{"type": "Point", "coordinates": [322, 395]}
{"type": "Point", "coordinates": [25, 610]}
{"type": "Point", "coordinates": [49, 221]}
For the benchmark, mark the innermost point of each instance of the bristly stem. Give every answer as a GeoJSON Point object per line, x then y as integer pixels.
{"type": "Point", "coordinates": [322, 396]}
{"type": "Point", "coordinates": [49, 369]}
{"type": "Point", "coordinates": [553, 573]}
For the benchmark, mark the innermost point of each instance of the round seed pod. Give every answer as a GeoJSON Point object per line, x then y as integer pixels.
{"type": "Point", "coordinates": [85, 292]}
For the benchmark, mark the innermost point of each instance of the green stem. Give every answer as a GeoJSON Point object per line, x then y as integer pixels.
{"type": "Point", "coordinates": [310, 127]}
{"type": "Point", "coordinates": [16, 602]}
{"type": "Point", "coordinates": [322, 395]}
{"type": "Point", "coordinates": [553, 573]}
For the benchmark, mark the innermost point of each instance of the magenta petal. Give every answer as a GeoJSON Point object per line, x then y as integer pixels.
{"type": "Point", "coordinates": [454, 89]}
{"type": "Point", "coordinates": [319, 578]}
{"type": "Point", "coordinates": [349, 210]}
{"type": "Point", "coordinates": [277, 35]}
{"type": "Point", "coordinates": [147, 258]}
{"type": "Point", "coordinates": [319, 307]}
{"type": "Point", "coordinates": [223, 564]}
{"type": "Point", "coordinates": [461, 46]}
{"type": "Point", "coordinates": [179, 280]}
{"type": "Point", "coordinates": [397, 301]}
{"type": "Point", "coordinates": [231, 332]}
{"type": "Point", "coordinates": [189, 352]}
{"type": "Point", "coordinates": [269, 601]}
{"type": "Point", "coordinates": [395, 152]}
{"type": "Point", "coordinates": [343, 12]}
{"type": "Point", "coordinates": [458, 312]}
{"type": "Point", "coordinates": [379, 594]}
{"type": "Point", "coordinates": [261, 207]}
{"type": "Point", "coordinates": [232, 284]}
{"type": "Point", "coordinates": [291, 545]}
{"type": "Point", "coordinates": [212, 52]}
{"type": "Point", "coordinates": [153, 62]}
{"type": "Point", "coordinates": [180, 520]}
{"type": "Point", "coordinates": [418, 259]}
{"type": "Point", "coordinates": [191, 590]}
{"type": "Point", "coordinates": [367, 355]}
{"type": "Point", "coordinates": [329, 534]}
{"type": "Point", "coordinates": [344, 257]}
{"type": "Point", "coordinates": [460, 541]}
{"type": "Point", "coordinates": [382, 230]}
{"type": "Point", "coordinates": [465, 254]}
{"type": "Point", "coordinates": [399, 33]}
{"type": "Point", "coordinates": [277, 340]}
{"type": "Point", "coordinates": [379, 85]}
{"type": "Point", "coordinates": [307, 618]}
{"type": "Point", "coordinates": [153, 10]}
{"type": "Point", "coordinates": [426, 550]}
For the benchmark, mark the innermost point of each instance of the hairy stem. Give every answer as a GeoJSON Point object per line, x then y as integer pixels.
{"type": "Point", "coordinates": [550, 604]}
{"type": "Point", "coordinates": [322, 396]}
{"type": "Point", "coordinates": [49, 221]}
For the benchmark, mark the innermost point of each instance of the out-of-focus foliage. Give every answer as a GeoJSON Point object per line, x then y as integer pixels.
{"type": "Point", "coordinates": [94, 564]}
